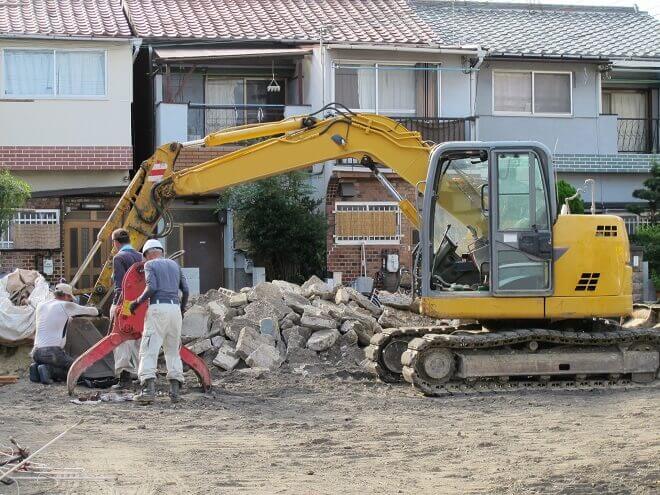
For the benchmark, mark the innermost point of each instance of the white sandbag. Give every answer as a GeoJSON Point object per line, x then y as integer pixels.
{"type": "Point", "coordinates": [18, 322]}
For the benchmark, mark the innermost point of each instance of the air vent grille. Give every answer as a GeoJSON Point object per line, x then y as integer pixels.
{"type": "Point", "coordinates": [606, 231]}
{"type": "Point", "coordinates": [587, 281]}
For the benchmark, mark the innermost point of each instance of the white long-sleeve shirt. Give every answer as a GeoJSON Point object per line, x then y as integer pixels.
{"type": "Point", "coordinates": [51, 320]}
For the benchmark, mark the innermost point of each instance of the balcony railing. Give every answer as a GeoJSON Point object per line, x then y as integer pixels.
{"type": "Point", "coordinates": [638, 135]}
{"type": "Point", "coordinates": [204, 119]}
{"type": "Point", "coordinates": [440, 129]}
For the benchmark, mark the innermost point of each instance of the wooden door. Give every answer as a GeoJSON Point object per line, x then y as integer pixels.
{"type": "Point", "coordinates": [79, 236]}
{"type": "Point", "coordinates": [204, 249]}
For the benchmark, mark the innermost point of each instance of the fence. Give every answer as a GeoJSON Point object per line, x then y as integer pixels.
{"type": "Point", "coordinates": [439, 129]}
{"type": "Point", "coordinates": [638, 135]}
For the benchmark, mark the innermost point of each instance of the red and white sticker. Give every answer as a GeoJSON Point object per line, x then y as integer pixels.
{"type": "Point", "coordinates": [157, 172]}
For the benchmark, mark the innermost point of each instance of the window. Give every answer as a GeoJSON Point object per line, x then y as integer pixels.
{"type": "Point", "coordinates": [532, 92]}
{"type": "Point", "coordinates": [388, 89]}
{"type": "Point", "coordinates": [54, 73]}
{"type": "Point", "coordinates": [27, 217]}
{"type": "Point", "coordinates": [367, 222]}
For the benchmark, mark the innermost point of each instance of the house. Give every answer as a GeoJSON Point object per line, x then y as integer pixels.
{"type": "Point", "coordinates": [583, 80]}
{"type": "Point", "coordinates": [65, 127]}
{"type": "Point", "coordinates": [203, 70]}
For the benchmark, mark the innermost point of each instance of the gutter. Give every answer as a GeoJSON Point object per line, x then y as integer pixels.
{"type": "Point", "coordinates": [466, 50]}
{"type": "Point", "coordinates": [64, 38]}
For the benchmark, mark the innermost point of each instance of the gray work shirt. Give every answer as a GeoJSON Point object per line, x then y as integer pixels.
{"type": "Point", "coordinates": [164, 280]}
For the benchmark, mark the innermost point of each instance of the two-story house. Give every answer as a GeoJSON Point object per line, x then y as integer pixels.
{"type": "Point", "coordinates": [65, 127]}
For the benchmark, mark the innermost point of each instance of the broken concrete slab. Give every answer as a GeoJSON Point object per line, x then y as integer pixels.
{"type": "Point", "coordinates": [269, 326]}
{"type": "Point", "coordinates": [200, 346]}
{"type": "Point", "coordinates": [395, 299]}
{"type": "Point", "coordinates": [349, 338]}
{"type": "Point", "coordinates": [249, 340]}
{"type": "Point", "coordinates": [342, 296]}
{"type": "Point", "coordinates": [295, 301]}
{"type": "Point", "coordinates": [234, 327]}
{"type": "Point", "coordinates": [363, 301]}
{"type": "Point", "coordinates": [237, 300]}
{"type": "Point", "coordinates": [196, 322]}
{"type": "Point", "coordinates": [265, 356]}
{"type": "Point", "coordinates": [287, 286]}
{"type": "Point", "coordinates": [394, 318]}
{"type": "Point", "coordinates": [260, 309]}
{"type": "Point", "coordinates": [363, 331]}
{"type": "Point", "coordinates": [227, 359]}
{"type": "Point", "coordinates": [317, 321]}
{"type": "Point", "coordinates": [328, 308]}
{"type": "Point", "coordinates": [302, 332]}
{"type": "Point", "coordinates": [323, 339]}
{"type": "Point", "coordinates": [220, 310]}
{"type": "Point", "coordinates": [219, 341]}
{"type": "Point", "coordinates": [265, 290]}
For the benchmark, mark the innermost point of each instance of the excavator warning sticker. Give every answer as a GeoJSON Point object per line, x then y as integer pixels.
{"type": "Point", "coordinates": [157, 172]}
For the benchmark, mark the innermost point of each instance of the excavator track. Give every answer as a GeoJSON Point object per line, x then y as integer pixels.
{"type": "Point", "coordinates": [447, 360]}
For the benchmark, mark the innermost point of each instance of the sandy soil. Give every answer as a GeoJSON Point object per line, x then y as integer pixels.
{"type": "Point", "coordinates": [331, 431]}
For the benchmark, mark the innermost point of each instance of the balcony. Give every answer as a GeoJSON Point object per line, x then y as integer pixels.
{"type": "Point", "coordinates": [204, 119]}
{"type": "Point", "coordinates": [440, 129]}
{"type": "Point", "coordinates": [638, 135]}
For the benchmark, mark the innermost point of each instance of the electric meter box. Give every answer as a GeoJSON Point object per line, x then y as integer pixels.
{"type": "Point", "coordinates": [48, 266]}
{"type": "Point", "coordinates": [392, 263]}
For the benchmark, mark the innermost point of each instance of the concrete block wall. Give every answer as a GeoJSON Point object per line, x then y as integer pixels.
{"type": "Point", "coordinates": [618, 163]}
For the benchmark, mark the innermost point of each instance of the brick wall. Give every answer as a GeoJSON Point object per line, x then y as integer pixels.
{"type": "Point", "coordinates": [347, 258]}
{"type": "Point", "coordinates": [32, 260]}
{"type": "Point", "coordinates": [619, 163]}
{"type": "Point", "coordinates": [66, 157]}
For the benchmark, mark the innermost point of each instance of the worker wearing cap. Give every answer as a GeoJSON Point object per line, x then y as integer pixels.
{"type": "Point", "coordinates": [162, 326]}
{"type": "Point", "coordinates": [126, 353]}
{"type": "Point", "coordinates": [50, 336]}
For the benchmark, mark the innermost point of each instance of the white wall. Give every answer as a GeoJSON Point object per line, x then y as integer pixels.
{"type": "Point", "coordinates": [102, 121]}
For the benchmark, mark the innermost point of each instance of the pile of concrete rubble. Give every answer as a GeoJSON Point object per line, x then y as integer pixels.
{"type": "Point", "coordinates": [277, 322]}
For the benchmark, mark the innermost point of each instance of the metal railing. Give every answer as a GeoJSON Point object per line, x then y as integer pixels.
{"type": "Point", "coordinates": [205, 118]}
{"type": "Point", "coordinates": [638, 135]}
{"type": "Point", "coordinates": [634, 222]}
{"type": "Point", "coordinates": [439, 129]}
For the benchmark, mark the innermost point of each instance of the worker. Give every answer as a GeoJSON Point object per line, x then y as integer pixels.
{"type": "Point", "coordinates": [162, 326]}
{"type": "Point", "coordinates": [50, 337]}
{"type": "Point", "coordinates": [126, 353]}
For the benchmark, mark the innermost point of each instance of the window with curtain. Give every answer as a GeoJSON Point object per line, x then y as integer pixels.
{"type": "Point", "coordinates": [396, 91]}
{"type": "Point", "coordinates": [53, 73]}
{"type": "Point", "coordinates": [532, 92]}
{"type": "Point", "coordinates": [356, 88]}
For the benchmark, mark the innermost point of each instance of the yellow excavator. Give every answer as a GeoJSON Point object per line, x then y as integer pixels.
{"type": "Point", "coordinates": [539, 294]}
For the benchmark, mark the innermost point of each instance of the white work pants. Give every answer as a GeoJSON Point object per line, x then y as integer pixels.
{"type": "Point", "coordinates": [162, 328]}
{"type": "Point", "coordinates": [126, 354]}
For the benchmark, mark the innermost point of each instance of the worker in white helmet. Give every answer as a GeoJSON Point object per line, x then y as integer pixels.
{"type": "Point", "coordinates": [162, 326]}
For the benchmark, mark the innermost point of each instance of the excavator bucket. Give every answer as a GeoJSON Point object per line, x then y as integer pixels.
{"type": "Point", "coordinates": [127, 326]}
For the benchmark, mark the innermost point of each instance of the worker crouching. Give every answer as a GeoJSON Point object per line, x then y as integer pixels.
{"type": "Point", "coordinates": [162, 326]}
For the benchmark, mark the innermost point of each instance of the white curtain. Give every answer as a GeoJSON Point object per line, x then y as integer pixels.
{"type": "Point", "coordinates": [224, 91]}
{"type": "Point", "coordinates": [629, 105]}
{"type": "Point", "coordinates": [80, 73]}
{"type": "Point", "coordinates": [631, 108]}
{"type": "Point", "coordinates": [552, 93]}
{"type": "Point", "coordinates": [513, 91]}
{"type": "Point", "coordinates": [396, 91]}
{"type": "Point", "coordinates": [28, 72]}
{"type": "Point", "coordinates": [367, 89]}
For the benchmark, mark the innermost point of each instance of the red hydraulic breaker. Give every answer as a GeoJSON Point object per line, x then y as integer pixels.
{"type": "Point", "coordinates": [127, 326]}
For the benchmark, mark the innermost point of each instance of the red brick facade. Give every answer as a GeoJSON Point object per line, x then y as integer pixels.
{"type": "Point", "coordinates": [347, 258]}
{"type": "Point", "coordinates": [66, 157]}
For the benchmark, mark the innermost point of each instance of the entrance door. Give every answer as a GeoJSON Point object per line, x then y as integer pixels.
{"type": "Point", "coordinates": [521, 243]}
{"type": "Point", "coordinates": [79, 236]}
{"type": "Point", "coordinates": [204, 249]}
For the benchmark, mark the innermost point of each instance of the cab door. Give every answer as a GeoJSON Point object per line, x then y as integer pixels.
{"type": "Point", "coordinates": [520, 224]}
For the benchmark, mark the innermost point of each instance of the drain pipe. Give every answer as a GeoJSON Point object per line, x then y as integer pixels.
{"type": "Point", "coordinates": [481, 54]}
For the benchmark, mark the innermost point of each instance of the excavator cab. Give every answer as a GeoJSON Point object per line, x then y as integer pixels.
{"type": "Point", "coordinates": [488, 214]}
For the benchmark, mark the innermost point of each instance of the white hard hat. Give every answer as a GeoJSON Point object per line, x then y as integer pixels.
{"type": "Point", "coordinates": [152, 244]}
{"type": "Point", "coordinates": [64, 289]}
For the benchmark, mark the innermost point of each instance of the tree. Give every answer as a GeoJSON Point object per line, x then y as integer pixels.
{"type": "Point", "coordinates": [14, 192]}
{"type": "Point", "coordinates": [565, 190]}
{"type": "Point", "coordinates": [651, 194]}
{"type": "Point", "coordinates": [279, 222]}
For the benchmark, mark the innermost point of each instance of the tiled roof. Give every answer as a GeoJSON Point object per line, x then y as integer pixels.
{"type": "Point", "coordinates": [548, 30]}
{"type": "Point", "coordinates": [88, 18]}
{"type": "Point", "coordinates": [369, 21]}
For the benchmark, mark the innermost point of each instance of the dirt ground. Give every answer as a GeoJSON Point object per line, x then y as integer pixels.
{"type": "Point", "coordinates": [327, 431]}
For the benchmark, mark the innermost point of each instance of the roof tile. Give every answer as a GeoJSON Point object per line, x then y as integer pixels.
{"type": "Point", "coordinates": [369, 21]}
{"type": "Point", "coordinates": [544, 29]}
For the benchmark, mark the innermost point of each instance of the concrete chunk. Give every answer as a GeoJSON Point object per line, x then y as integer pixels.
{"type": "Point", "coordinates": [395, 300]}
{"type": "Point", "coordinates": [249, 340]}
{"type": "Point", "coordinates": [265, 290]}
{"type": "Point", "coordinates": [300, 333]}
{"type": "Point", "coordinates": [342, 296]}
{"type": "Point", "coordinates": [233, 328]}
{"type": "Point", "coordinates": [195, 322]}
{"type": "Point", "coordinates": [328, 308]}
{"type": "Point", "coordinates": [393, 318]}
{"type": "Point", "coordinates": [323, 339]}
{"type": "Point", "coordinates": [362, 330]}
{"type": "Point", "coordinates": [200, 346]}
{"type": "Point", "coordinates": [295, 301]}
{"type": "Point", "coordinates": [227, 359]}
{"type": "Point", "coordinates": [363, 301]}
{"type": "Point", "coordinates": [317, 321]}
{"type": "Point", "coordinates": [260, 309]}
{"type": "Point", "coordinates": [287, 286]}
{"type": "Point", "coordinates": [269, 326]}
{"type": "Point", "coordinates": [265, 356]}
{"type": "Point", "coordinates": [237, 300]}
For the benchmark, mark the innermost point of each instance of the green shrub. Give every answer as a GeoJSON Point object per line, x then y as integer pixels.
{"type": "Point", "coordinates": [648, 237]}
{"type": "Point", "coordinates": [14, 192]}
{"type": "Point", "coordinates": [565, 190]}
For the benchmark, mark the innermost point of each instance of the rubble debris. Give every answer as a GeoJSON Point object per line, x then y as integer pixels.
{"type": "Point", "coordinates": [323, 339]}
{"type": "Point", "coordinates": [196, 322]}
{"type": "Point", "coordinates": [395, 300]}
{"type": "Point", "coordinates": [280, 322]}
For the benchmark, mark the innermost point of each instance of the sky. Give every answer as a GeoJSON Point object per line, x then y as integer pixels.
{"type": "Point", "coordinates": [650, 6]}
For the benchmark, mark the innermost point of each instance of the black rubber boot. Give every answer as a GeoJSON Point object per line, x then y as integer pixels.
{"type": "Point", "coordinates": [34, 373]}
{"type": "Point", "coordinates": [44, 374]}
{"type": "Point", "coordinates": [175, 387]}
{"type": "Point", "coordinates": [148, 394]}
{"type": "Point", "coordinates": [125, 381]}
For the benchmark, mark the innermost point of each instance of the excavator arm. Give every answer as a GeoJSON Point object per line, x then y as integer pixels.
{"type": "Point", "coordinates": [291, 144]}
